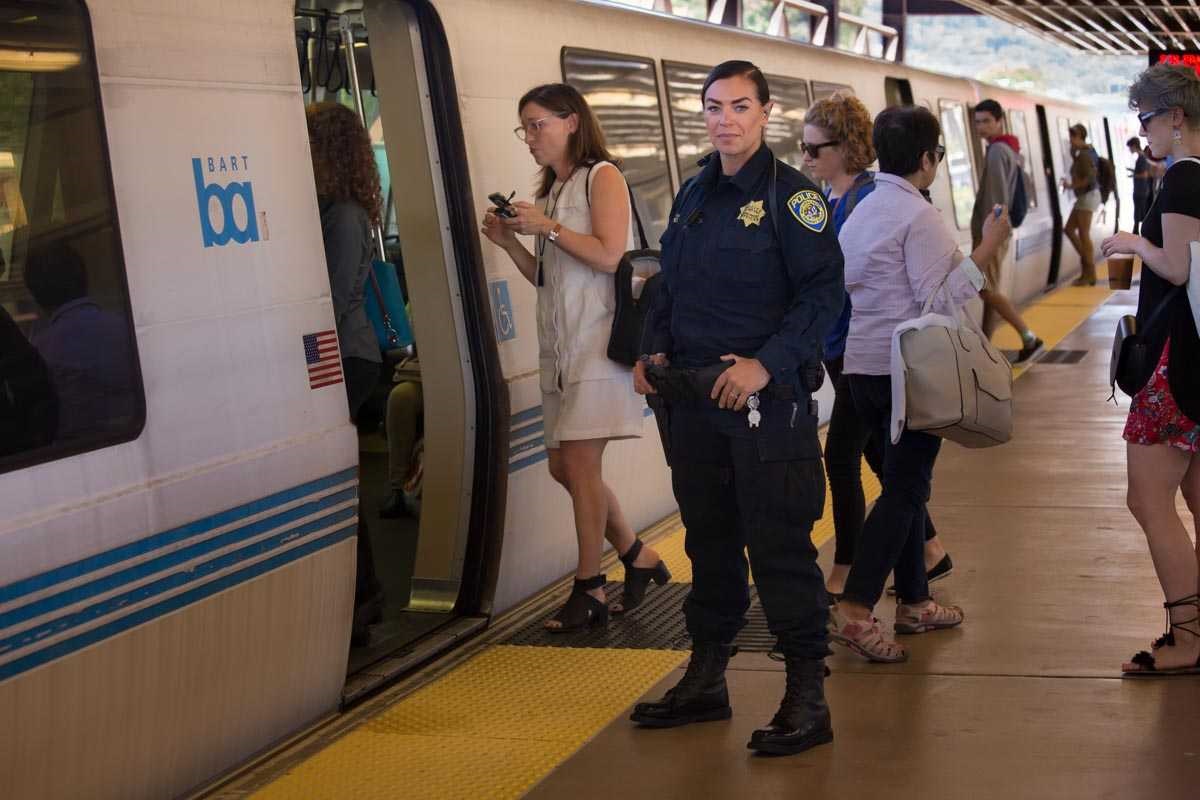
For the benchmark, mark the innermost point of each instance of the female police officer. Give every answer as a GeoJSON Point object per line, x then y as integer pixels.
{"type": "Point", "coordinates": [753, 282]}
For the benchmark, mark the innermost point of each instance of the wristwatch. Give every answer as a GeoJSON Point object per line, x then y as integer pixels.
{"type": "Point", "coordinates": [552, 236]}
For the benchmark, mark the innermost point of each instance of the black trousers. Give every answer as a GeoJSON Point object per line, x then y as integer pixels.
{"type": "Point", "coordinates": [893, 537]}
{"type": "Point", "coordinates": [731, 501]}
{"type": "Point", "coordinates": [360, 376]}
{"type": "Point", "coordinates": [847, 441]}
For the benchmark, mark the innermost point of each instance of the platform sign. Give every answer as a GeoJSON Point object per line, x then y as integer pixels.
{"type": "Point", "coordinates": [1189, 58]}
{"type": "Point", "coordinates": [502, 313]}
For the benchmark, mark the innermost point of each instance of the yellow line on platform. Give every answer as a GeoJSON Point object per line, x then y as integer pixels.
{"type": "Point", "coordinates": [497, 724]}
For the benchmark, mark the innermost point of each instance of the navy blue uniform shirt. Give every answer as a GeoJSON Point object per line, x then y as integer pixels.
{"type": "Point", "coordinates": [730, 287]}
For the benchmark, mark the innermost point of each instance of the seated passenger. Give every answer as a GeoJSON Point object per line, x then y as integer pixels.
{"type": "Point", "coordinates": [838, 150]}
{"type": "Point", "coordinates": [28, 405]}
{"type": "Point", "coordinates": [349, 197]}
{"type": "Point", "coordinates": [583, 224]}
{"type": "Point", "coordinates": [404, 406]}
{"type": "Point", "coordinates": [1163, 429]}
{"type": "Point", "coordinates": [86, 348]}
{"type": "Point", "coordinates": [899, 253]}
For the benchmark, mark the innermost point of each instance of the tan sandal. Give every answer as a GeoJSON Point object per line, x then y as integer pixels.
{"type": "Point", "coordinates": [930, 617]}
{"type": "Point", "coordinates": [865, 638]}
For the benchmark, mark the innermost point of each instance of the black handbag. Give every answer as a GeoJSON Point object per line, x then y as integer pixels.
{"type": "Point", "coordinates": [629, 316]}
{"type": "Point", "coordinates": [1131, 366]}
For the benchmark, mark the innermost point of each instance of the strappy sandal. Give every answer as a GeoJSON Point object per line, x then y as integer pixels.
{"type": "Point", "coordinates": [865, 638]}
{"type": "Point", "coordinates": [931, 617]}
{"type": "Point", "coordinates": [638, 578]}
{"type": "Point", "coordinates": [1145, 660]}
{"type": "Point", "coordinates": [581, 610]}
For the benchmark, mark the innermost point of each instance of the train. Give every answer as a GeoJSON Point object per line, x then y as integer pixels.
{"type": "Point", "coordinates": [177, 569]}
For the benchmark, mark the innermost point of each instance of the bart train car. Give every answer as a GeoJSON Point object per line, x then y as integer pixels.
{"type": "Point", "coordinates": [177, 543]}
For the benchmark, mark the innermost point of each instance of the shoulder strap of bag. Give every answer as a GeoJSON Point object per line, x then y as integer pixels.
{"type": "Point", "coordinates": [637, 218]}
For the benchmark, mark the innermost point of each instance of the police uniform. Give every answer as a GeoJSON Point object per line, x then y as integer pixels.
{"type": "Point", "coordinates": [737, 281]}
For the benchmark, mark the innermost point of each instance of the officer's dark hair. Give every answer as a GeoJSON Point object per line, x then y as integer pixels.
{"type": "Point", "coordinates": [990, 107]}
{"type": "Point", "coordinates": [586, 145]}
{"type": "Point", "coordinates": [733, 69]}
{"type": "Point", "coordinates": [902, 134]}
{"type": "Point", "coordinates": [1078, 130]}
{"type": "Point", "coordinates": [1134, 142]}
{"type": "Point", "coordinates": [55, 275]}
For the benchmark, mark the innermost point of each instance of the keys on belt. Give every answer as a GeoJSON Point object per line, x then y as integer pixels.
{"type": "Point", "coordinates": [755, 416]}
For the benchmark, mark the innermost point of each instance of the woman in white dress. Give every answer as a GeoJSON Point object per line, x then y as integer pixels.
{"type": "Point", "coordinates": [582, 224]}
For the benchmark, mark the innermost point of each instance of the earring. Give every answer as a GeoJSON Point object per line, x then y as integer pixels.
{"type": "Point", "coordinates": [1176, 135]}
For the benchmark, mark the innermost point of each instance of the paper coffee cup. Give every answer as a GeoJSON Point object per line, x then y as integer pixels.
{"type": "Point", "coordinates": [1120, 271]}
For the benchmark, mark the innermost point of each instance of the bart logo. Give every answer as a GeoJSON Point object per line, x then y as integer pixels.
{"type": "Point", "coordinates": [226, 215]}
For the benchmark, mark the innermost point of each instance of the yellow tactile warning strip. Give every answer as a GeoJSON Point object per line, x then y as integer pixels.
{"type": "Point", "coordinates": [491, 728]}
{"type": "Point", "coordinates": [497, 724]}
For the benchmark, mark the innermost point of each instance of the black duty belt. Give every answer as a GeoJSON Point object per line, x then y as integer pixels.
{"type": "Point", "coordinates": [694, 386]}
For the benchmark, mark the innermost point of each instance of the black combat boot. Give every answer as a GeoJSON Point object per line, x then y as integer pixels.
{"type": "Point", "coordinates": [803, 717]}
{"type": "Point", "coordinates": [699, 696]}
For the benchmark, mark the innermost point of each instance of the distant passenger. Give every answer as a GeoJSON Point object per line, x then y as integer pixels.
{"type": "Point", "coordinates": [583, 224]}
{"type": "Point", "coordinates": [28, 404]}
{"type": "Point", "coordinates": [837, 150]}
{"type": "Point", "coordinates": [349, 197]}
{"type": "Point", "coordinates": [1163, 429]}
{"type": "Point", "coordinates": [899, 254]}
{"type": "Point", "coordinates": [1001, 171]}
{"type": "Point", "coordinates": [753, 278]}
{"type": "Point", "coordinates": [405, 404]}
{"type": "Point", "coordinates": [87, 349]}
{"type": "Point", "coordinates": [1143, 182]}
{"type": "Point", "coordinates": [1085, 182]}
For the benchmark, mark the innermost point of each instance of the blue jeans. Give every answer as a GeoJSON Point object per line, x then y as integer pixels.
{"type": "Point", "coordinates": [893, 537]}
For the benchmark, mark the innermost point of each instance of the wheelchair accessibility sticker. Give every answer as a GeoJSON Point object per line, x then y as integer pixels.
{"type": "Point", "coordinates": [502, 313]}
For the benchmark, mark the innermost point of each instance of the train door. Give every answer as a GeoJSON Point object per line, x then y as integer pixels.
{"type": "Point", "coordinates": [1052, 196]}
{"type": "Point", "coordinates": [431, 489]}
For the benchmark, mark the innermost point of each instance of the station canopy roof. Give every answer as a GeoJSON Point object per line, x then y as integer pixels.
{"type": "Point", "coordinates": [1101, 26]}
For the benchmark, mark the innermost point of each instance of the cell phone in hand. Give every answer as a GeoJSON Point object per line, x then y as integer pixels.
{"type": "Point", "coordinates": [503, 204]}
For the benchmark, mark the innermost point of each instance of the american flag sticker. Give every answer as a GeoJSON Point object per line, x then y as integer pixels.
{"type": "Point", "coordinates": [324, 361]}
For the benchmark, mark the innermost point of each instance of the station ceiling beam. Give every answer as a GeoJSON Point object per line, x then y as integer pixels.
{"type": "Point", "coordinates": [1102, 26]}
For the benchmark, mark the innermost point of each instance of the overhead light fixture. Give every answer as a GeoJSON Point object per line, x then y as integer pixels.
{"type": "Point", "coordinates": [13, 60]}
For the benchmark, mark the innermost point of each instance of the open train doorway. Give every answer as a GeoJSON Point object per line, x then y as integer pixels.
{"type": "Point", "coordinates": [1052, 195]}
{"type": "Point", "coordinates": [430, 491]}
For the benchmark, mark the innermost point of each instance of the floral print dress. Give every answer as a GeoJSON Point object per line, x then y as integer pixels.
{"type": "Point", "coordinates": [1155, 418]}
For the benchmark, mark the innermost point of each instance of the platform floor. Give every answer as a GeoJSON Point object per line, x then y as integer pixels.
{"type": "Point", "coordinates": [1023, 701]}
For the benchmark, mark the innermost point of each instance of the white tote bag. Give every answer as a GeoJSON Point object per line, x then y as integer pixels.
{"type": "Point", "coordinates": [949, 380]}
{"type": "Point", "coordinates": [1193, 287]}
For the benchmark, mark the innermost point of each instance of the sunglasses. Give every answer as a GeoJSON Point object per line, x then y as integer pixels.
{"type": "Point", "coordinates": [814, 150]}
{"type": "Point", "coordinates": [939, 152]}
{"type": "Point", "coordinates": [1145, 116]}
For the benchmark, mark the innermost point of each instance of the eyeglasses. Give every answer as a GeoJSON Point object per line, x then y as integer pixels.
{"type": "Point", "coordinates": [814, 150]}
{"type": "Point", "coordinates": [534, 127]}
{"type": "Point", "coordinates": [1145, 116]}
{"type": "Point", "coordinates": [940, 152]}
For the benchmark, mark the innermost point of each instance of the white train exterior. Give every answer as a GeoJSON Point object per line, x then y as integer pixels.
{"type": "Point", "coordinates": [173, 604]}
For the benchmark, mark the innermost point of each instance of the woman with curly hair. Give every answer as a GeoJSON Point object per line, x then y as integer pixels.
{"type": "Point", "coordinates": [349, 198]}
{"type": "Point", "coordinates": [837, 151]}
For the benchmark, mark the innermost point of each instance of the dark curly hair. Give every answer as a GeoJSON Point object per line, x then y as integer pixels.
{"type": "Point", "coordinates": [343, 161]}
{"type": "Point", "coordinates": [845, 118]}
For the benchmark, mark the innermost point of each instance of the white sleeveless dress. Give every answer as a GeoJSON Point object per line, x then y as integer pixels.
{"type": "Point", "coordinates": [585, 394]}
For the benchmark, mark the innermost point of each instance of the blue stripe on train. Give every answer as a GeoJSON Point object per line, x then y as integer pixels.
{"type": "Point", "coordinates": [162, 563]}
{"type": "Point", "coordinates": [149, 613]}
{"type": "Point", "coordinates": [151, 543]}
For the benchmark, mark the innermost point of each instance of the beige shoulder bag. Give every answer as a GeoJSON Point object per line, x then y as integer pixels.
{"type": "Point", "coordinates": [949, 380]}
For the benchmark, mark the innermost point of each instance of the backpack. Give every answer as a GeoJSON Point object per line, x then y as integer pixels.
{"type": "Point", "coordinates": [1106, 178]}
{"type": "Point", "coordinates": [1020, 200]}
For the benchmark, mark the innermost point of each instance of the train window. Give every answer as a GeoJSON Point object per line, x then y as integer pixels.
{"type": "Point", "coordinates": [958, 161]}
{"type": "Point", "coordinates": [897, 91]}
{"type": "Point", "coordinates": [785, 131]}
{"type": "Point", "coordinates": [69, 376]}
{"type": "Point", "coordinates": [821, 89]}
{"type": "Point", "coordinates": [623, 91]}
{"type": "Point", "coordinates": [1018, 126]}
{"type": "Point", "coordinates": [684, 82]}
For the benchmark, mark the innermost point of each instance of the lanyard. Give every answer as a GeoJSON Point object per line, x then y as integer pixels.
{"type": "Point", "coordinates": [551, 206]}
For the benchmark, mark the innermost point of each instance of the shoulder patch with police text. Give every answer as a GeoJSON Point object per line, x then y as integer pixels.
{"type": "Point", "coordinates": [808, 207]}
